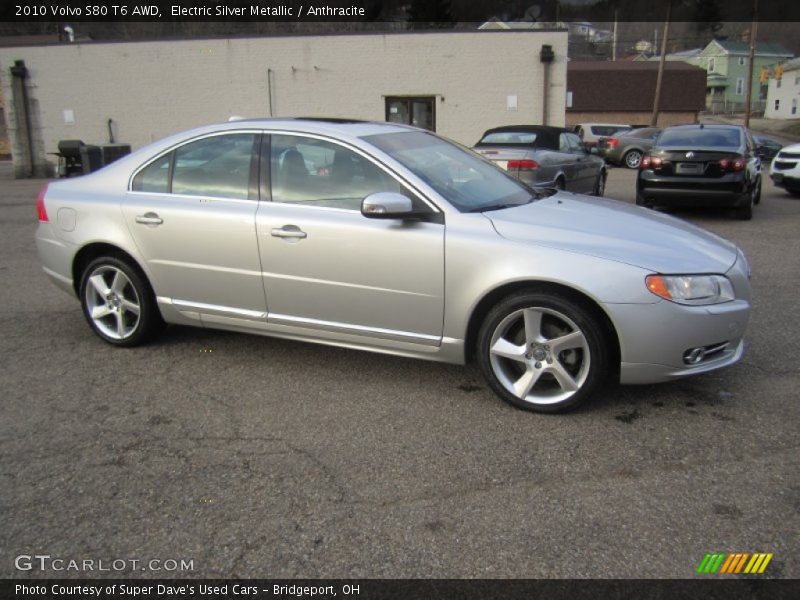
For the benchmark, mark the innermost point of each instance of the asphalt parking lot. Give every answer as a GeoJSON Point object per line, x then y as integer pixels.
{"type": "Point", "coordinates": [258, 457]}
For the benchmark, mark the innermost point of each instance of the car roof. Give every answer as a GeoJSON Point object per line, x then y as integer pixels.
{"type": "Point", "coordinates": [340, 127]}
{"type": "Point", "coordinates": [547, 136]}
{"type": "Point", "coordinates": [711, 126]}
{"type": "Point", "coordinates": [528, 128]}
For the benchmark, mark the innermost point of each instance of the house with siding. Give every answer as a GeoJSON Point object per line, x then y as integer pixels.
{"type": "Point", "coordinates": [726, 65]}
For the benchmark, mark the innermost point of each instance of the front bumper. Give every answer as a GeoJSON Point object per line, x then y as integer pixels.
{"type": "Point", "coordinates": [789, 181]}
{"type": "Point", "coordinates": [655, 338]}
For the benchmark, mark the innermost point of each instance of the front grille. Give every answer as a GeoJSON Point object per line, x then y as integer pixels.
{"type": "Point", "coordinates": [783, 166]}
{"type": "Point", "coordinates": [789, 155]}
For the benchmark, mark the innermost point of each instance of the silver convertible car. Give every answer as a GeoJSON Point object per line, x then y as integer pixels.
{"type": "Point", "coordinates": [388, 238]}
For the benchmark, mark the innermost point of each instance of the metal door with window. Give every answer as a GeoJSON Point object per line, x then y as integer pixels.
{"type": "Point", "coordinates": [327, 267]}
{"type": "Point", "coordinates": [192, 213]}
{"type": "Point", "coordinates": [418, 111]}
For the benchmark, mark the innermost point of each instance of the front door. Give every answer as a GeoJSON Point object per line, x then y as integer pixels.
{"type": "Point", "coordinates": [327, 267]}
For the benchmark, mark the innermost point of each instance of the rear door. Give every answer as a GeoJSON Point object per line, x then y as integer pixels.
{"type": "Point", "coordinates": [192, 214]}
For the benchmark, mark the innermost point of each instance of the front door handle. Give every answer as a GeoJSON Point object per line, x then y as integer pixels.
{"type": "Point", "coordinates": [149, 218]}
{"type": "Point", "coordinates": [289, 231]}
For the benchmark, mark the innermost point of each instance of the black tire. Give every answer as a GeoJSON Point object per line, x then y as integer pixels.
{"type": "Point", "coordinates": [115, 321]}
{"type": "Point", "coordinates": [744, 211]}
{"type": "Point", "coordinates": [559, 184]}
{"type": "Point", "coordinates": [600, 184]}
{"type": "Point", "coordinates": [632, 159]}
{"type": "Point", "coordinates": [539, 362]}
{"type": "Point", "coordinates": [795, 193]}
{"type": "Point", "coordinates": [758, 193]}
{"type": "Point", "coordinates": [642, 201]}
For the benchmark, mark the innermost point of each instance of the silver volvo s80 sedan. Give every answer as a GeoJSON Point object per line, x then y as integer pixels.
{"type": "Point", "coordinates": [388, 238]}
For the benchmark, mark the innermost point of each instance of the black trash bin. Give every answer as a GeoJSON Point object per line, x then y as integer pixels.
{"type": "Point", "coordinates": [77, 158]}
{"type": "Point", "coordinates": [92, 158]}
{"type": "Point", "coordinates": [70, 159]}
{"type": "Point", "coordinates": [112, 152]}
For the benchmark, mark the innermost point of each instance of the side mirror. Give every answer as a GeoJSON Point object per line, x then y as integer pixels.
{"type": "Point", "coordinates": [387, 205]}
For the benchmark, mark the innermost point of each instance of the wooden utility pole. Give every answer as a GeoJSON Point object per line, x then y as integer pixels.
{"type": "Point", "coordinates": [748, 97]}
{"type": "Point", "coordinates": [657, 98]}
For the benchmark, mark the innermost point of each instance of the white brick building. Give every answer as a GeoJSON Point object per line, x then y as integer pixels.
{"type": "Point", "coordinates": [457, 83]}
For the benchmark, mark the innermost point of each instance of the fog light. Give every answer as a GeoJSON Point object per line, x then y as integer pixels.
{"type": "Point", "coordinates": [694, 356]}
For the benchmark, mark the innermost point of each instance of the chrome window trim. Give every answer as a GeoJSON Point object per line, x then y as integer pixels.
{"type": "Point", "coordinates": [174, 147]}
{"type": "Point", "coordinates": [423, 195]}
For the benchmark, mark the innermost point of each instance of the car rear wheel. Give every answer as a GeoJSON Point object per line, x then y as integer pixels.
{"type": "Point", "coordinates": [632, 159]}
{"type": "Point", "coordinates": [118, 303]}
{"type": "Point", "coordinates": [541, 352]}
{"type": "Point", "coordinates": [559, 185]}
{"type": "Point", "coordinates": [745, 210]}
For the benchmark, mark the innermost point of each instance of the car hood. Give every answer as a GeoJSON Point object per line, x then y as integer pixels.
{"type": "Point", "coordinates": [615, 231]}
{"type": "Point", "coordinates": [791, 148]}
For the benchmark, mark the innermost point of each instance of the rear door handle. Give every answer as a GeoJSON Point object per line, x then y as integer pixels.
{"type": "Point", "coordinates": [289, 231]}
{"type": "Point", "coordinates": [149, 218]}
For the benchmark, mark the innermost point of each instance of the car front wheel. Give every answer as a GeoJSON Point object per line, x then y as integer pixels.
{"type": "Point", "coordinates": [118, 303]}
{"type": "Point", "coordinates": [542, 352]}
{"type": "Point", "coordinates": [600, 184]}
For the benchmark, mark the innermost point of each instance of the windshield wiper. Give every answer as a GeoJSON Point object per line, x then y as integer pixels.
{"type": "Point", "coordinates": [499, 206]}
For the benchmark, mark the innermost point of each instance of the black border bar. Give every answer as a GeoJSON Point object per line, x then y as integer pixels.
{"type": "Point", "coordinates": [750, 588]}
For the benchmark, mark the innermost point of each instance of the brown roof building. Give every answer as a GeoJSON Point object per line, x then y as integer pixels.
{"type": "Point", "coordinates": [623, 91]}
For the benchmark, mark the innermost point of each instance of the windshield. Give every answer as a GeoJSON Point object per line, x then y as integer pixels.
{"type": "Point", "coordinates": [469, 182]}
{"type": "Point", "coordinates": [699, 138]}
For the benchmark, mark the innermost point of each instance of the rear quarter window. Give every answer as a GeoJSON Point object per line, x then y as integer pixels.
{"type": "Point", "coordinates": [509, 137]}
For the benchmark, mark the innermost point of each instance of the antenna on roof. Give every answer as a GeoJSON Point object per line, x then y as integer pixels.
{"type": "Point", "coordinates": [235, 118]}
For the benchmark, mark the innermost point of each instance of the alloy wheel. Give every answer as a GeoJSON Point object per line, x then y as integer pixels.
{"type": "Point", "coordinates": [112, 302]}
{"type": "Point", "coordinates": [539, 355]}
{"type": "Point", "coordinates": [632, 159]}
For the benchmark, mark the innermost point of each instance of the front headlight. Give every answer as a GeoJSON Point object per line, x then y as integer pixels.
{"type": "Point", "coordinates": [691, 289]}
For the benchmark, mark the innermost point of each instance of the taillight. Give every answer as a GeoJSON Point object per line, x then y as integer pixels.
{"type": "Point", "coordinates": [523, 165]}
{"type": "Point", "coordinates": [732, 164]}
{"type": "Point", "coordinates": [650, 162]}
{"type": "Point", "coordinates": [612, 142]}
{"type": "Point", "coordinates": [40, 208]}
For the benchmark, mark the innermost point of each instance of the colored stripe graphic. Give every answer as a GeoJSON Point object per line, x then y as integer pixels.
{"type": "Point", "coordinates": [734, 563]}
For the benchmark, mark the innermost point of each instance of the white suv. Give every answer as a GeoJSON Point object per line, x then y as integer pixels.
{"type": "Point", "coordinates": [785, 169]}
{"type": "Point", "coordinates": [590, 133]}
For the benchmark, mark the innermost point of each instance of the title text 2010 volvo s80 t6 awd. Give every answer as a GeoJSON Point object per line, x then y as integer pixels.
{"type": "Point", "coordinates": [388, 238]}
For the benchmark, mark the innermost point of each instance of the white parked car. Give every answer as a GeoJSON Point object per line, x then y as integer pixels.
{"type": "Point", "coordinates": [590, 133]}
{"type": "Point", "coordinates": [785, 169]}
